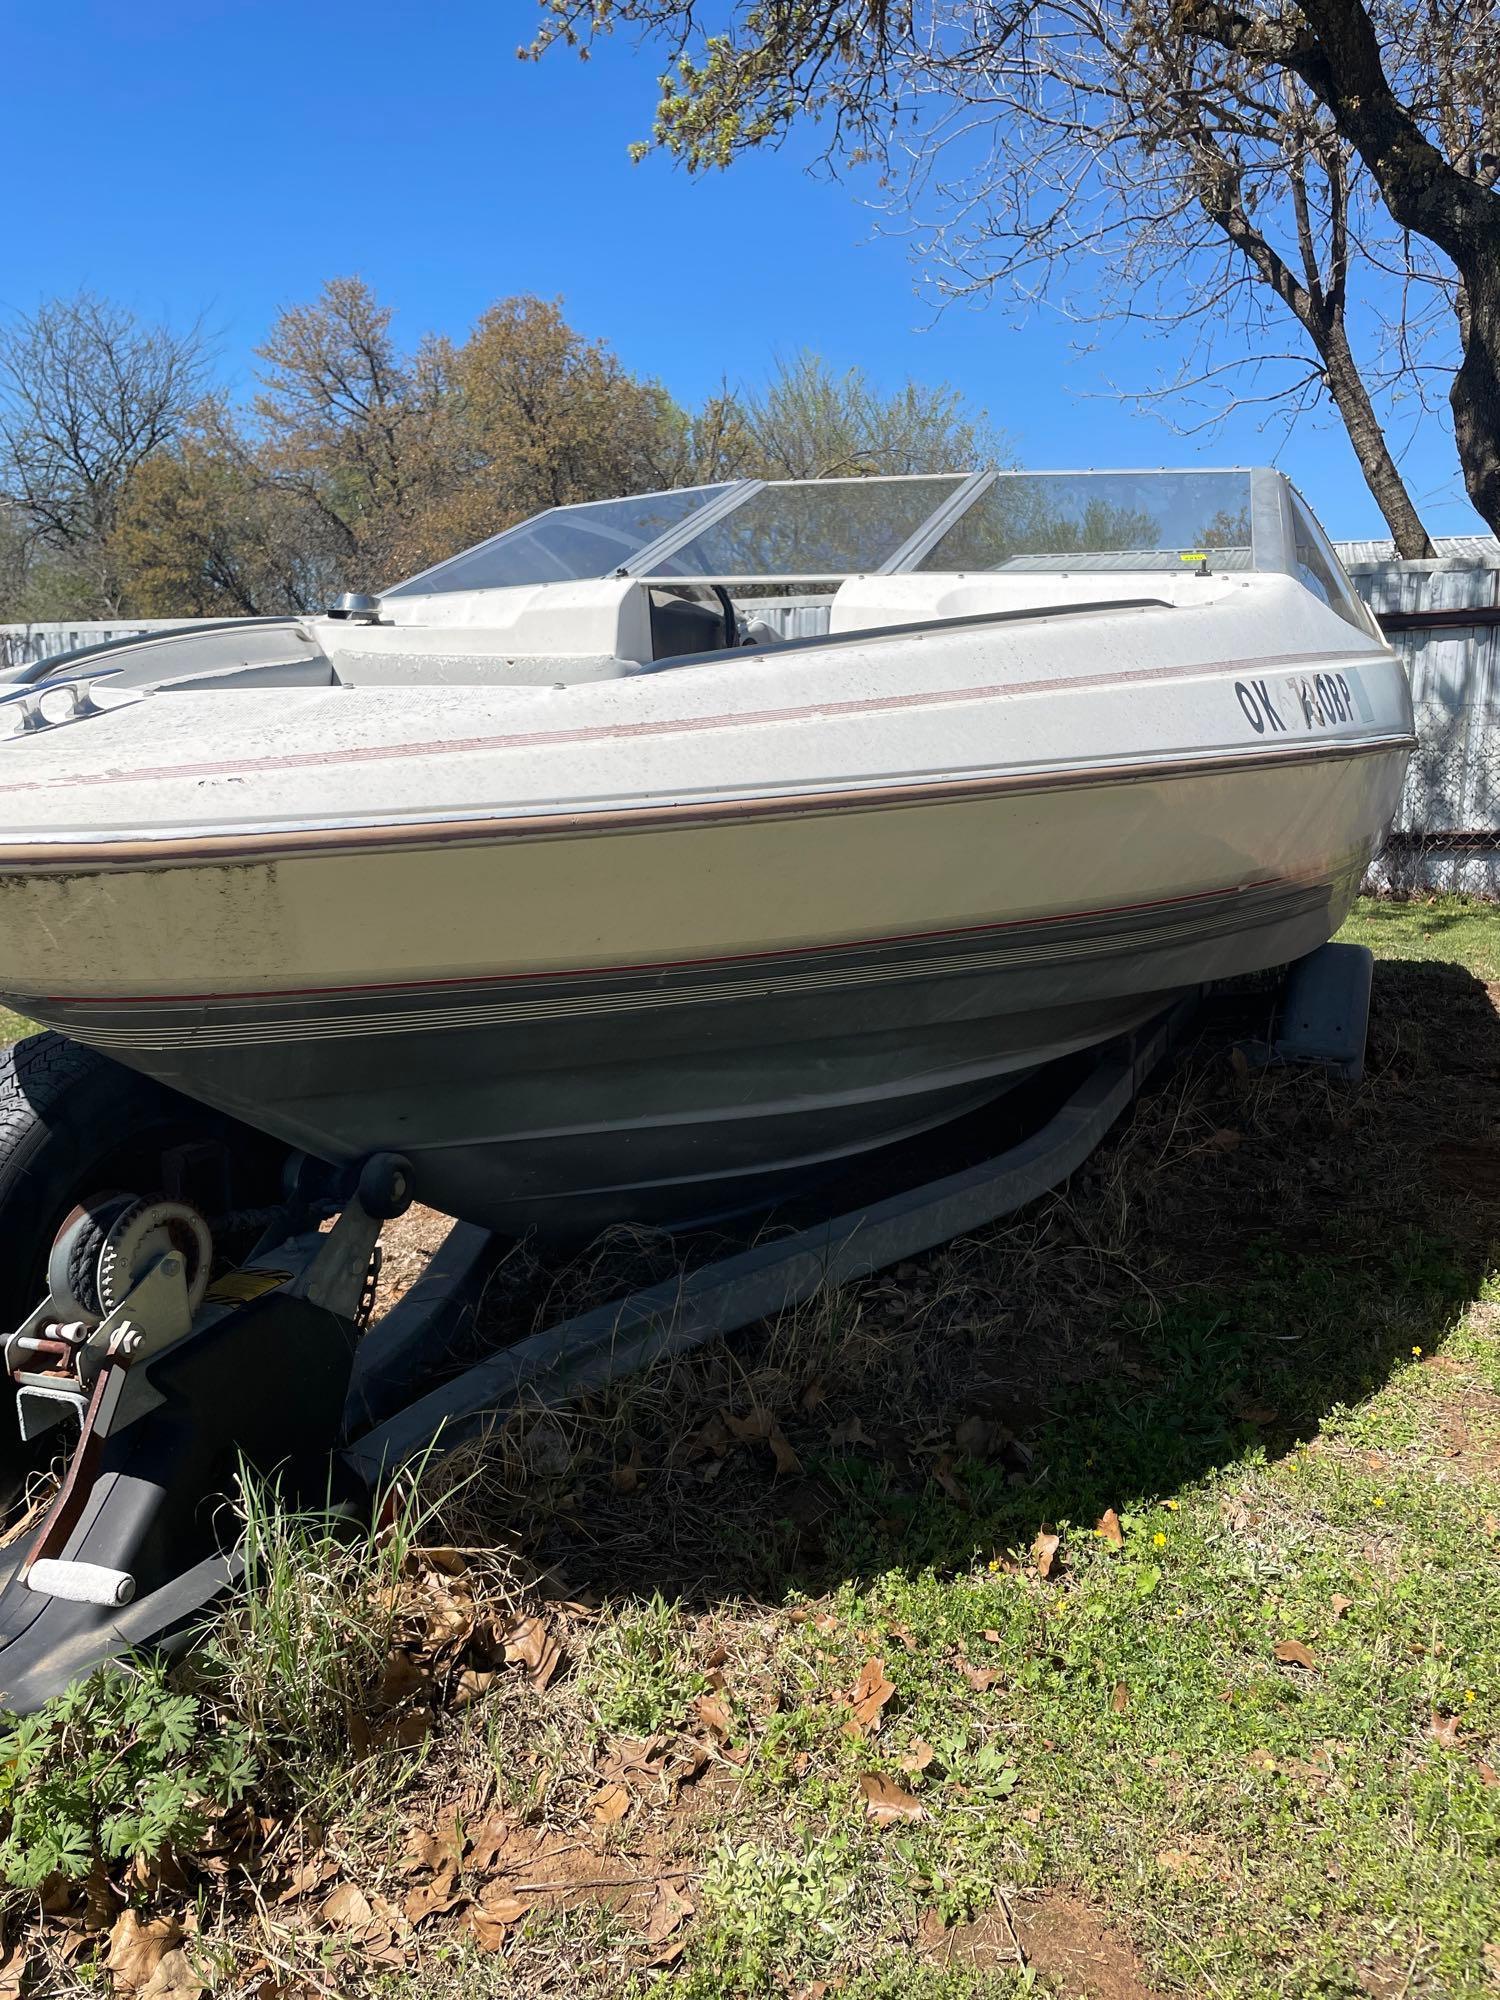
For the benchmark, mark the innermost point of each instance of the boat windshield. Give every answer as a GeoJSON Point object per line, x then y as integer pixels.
{"type": "Point", "coordinates": [812, 530]}
{"type": "Point", "coordinates": [565, 544]}
{"type": "Point", "coordinates": [814, 527]}
{"type": "Point", "coordinates": [1101, 520]}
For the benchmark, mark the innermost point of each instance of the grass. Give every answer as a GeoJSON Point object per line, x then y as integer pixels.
{"type": "Point", "coordinates": [1438, 929]}
{"type": "Point", "coordinates": [1116, 1613]}
{"type": "Point", "coordinates": [13, 1027]}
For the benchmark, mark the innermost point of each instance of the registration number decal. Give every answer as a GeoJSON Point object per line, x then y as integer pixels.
{"type": "Point", "coordinates": [1313, 701]}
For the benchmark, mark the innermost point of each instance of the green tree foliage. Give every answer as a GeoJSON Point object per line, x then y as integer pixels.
{"type": "Point", "coordinates": [810, 423]}
{"type": "Point", "coordinates": [211, 529]}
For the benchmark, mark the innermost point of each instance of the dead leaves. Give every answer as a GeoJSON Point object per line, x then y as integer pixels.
{"type": "Point", "coordinates": [714, 1716]}
{"type": "Point", "coordinates": [1292, 1653]}
{"type": "Point", "coordinates": [494, 1914]}
{"type": "Point", "coordinates": [981, 1437]}
{"type": "Point", "coordinates": [345, 1908]}
{"type": "Point", "coordinates": [146, 1959]}
{"type": "Point", "coordinates": [850, 1432]}
{"type": "Point", "coordinates": [867, 1698]}
{"type": "Point", "coordinates": [13, 1962]}
{"type": "Point", "coordinates": [669, 1908]}
{"type": "Point", "coordinates": [1109, 1529]}
{"type": "Point", "coordinates": [650, 1768]}
{"type": "Point", "coordinates": [528, 1643]}
{"type": "Point", "coordinates": [611, 1803]}
{"type": "Point", "coordinates": [445, 1650]}
{"type": "Point", "coordinates": [1044, 1552]}
{"type": "Point", "coordinates": [490, 1876]}
{"type": "Point", "coordinates": [761, 1427]}
{"type": "Point", "coordinates": [308, 1874]}
{"type": "Point", "coordinates": [434, 1898]}
{"type": "Point", "coordinates": [369, 1925]}
{"type": "Point", "coordinates": [886, 1802]}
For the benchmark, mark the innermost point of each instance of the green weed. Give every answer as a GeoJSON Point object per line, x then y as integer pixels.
{"type": "Point", "coordinates": [639, 1675]}
{"type": "Point", "coordinates": [302, 1649]}
{"type": "Point", "coordinates": [118, 1768]}
{"type": "Point", "coordinates": [770, 1913]}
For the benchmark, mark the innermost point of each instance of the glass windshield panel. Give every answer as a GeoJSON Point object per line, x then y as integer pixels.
{"type": "Point", "coordinates": [1320, 569]}
{"type": "Point", "coordinates": [1101, 520]}
{"type": "Point", "coordinates": [569, 543]}
{"type": "Point", "coordinates": [831, 527]}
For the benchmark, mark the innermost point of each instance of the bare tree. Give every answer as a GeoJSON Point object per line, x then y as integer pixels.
{"type": "Point", "coordinates": [1129, 176]}
{"type": "Point", "coordinates": [1188, 178]}
{"type": "Point", "coordinates": [87, 393]}
{"type": "Point", "coordinates": [346, 422]}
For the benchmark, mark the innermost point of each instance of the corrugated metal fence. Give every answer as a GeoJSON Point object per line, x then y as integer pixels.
{"type": "Point", "coordinates": [1444, 619]}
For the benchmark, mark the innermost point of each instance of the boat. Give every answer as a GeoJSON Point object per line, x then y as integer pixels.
{"type": "Point", "coordinates": [662, 852]}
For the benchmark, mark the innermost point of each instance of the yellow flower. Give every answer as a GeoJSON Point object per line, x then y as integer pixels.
{"type": "Point", "coordinates": [1170, 1505]}
{"type": "Point", "coordinates": [1469, 1695]}
{"type": "Point", "coordinates": [1416, 1351]}
{"type": "Point", "coordinates": [1159, 1540]}
{"type": "Point", "coordinates": [1379, 1499]}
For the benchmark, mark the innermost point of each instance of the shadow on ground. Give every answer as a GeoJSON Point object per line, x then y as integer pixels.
{"type": "Point", "coordinates": [1252, 1249]}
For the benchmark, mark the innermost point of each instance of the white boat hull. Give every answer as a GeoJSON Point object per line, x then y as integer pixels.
{"type": "Point", "coordinates": [573, 1025]}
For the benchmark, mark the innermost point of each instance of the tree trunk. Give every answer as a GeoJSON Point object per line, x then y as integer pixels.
{"type": "Point", "coordinates": [1475, 395]}
{"type": "Point", "coordinates": [1382, 476]}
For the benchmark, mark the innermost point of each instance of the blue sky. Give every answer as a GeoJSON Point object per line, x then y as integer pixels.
{"type": "Point", "coordinates": [225, 157]}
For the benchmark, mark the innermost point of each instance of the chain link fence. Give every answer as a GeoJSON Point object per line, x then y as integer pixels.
{"type": "Point", "coordinates": [1446, 836]}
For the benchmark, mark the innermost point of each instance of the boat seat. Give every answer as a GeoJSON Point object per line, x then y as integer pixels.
{"type": "Point", "coordinates": [691, 618]}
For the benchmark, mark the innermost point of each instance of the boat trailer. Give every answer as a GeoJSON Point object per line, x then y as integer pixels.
{"type": "Point", "coordinates": [175, 1380]}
